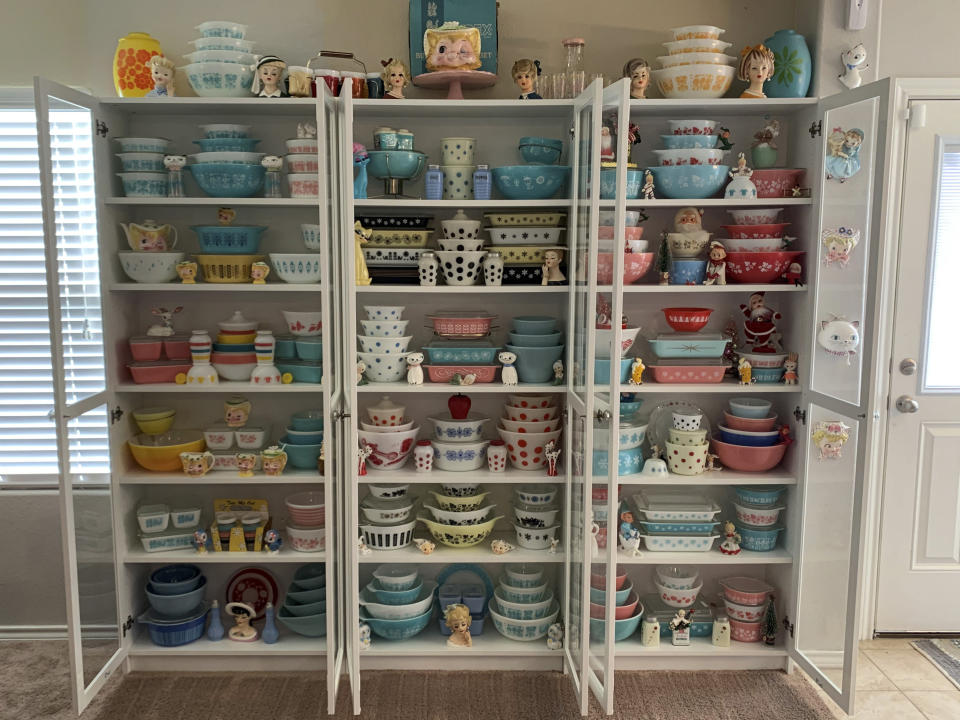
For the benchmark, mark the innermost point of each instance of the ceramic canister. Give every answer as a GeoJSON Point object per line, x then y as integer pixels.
{"type": "Point", "coordinates": [493, 268]}
{"type": "Point", "coordinates": [428, 267]}
{"type": "Point", "coordinates": [457, 182]}
{"type": "Point", "coordinates": [497, 456]}
{"type": "Point", "coordinates": [404, 139]}
{"type": "Point", "coordinates": [423, 456]}
{"type": "Point", "coordinates": [385, 138]}
{"type": "Point", "coordinates": [458, 151]}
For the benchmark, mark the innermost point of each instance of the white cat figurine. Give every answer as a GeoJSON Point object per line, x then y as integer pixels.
{"type": "Point", "coordinates": [854, 61]}
{"type": "Point", "coordinates": [508, 375]}
{"type": "Point", "coordinates": [414, 371]}
{"type": "Point", "coordinates": [839, 337]}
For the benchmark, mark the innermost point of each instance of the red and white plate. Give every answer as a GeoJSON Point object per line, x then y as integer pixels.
{"type": "Point", "coordinates": [253, 586]}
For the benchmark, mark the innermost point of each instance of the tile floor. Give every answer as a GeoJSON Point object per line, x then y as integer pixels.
{"type": "Point", "coordinates": [895, 682]}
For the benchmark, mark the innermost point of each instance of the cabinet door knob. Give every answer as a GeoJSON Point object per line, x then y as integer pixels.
{"type": "Point", "coordinates": [603, 415]}
{"type": "Point", "coordinates": [908, 366]}
{"type": "Point", "coordinates": [907, 404]}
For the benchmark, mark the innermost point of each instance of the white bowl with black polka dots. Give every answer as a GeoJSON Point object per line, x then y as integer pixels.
{"type": "Point", "coordinates": [461, 267]}
{"type": "Point", "coordinates": [461, 228]}
{"type": "Point", "coordinates": [461, 244]}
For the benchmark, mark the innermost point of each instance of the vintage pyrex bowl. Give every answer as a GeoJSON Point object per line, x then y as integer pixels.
{"type": "Point", "coordinates": [677, 142]}
{"type": "Point", "coordinates": [228, 179]}
{"type": "Point", "coordinates": [150, 267]}
{"type": "Point", "coordinates": [530, 182]}
{"type": "Point", "coordinates": [400, 164]}
{"type": "Point", "coordinates": [635, 266]}
{"type": "Point", "coordinates": [519, 577]}
{"type": "Point", "coordinates": [535, 364]}
{"type": "Point", "coordinates": [396, 577]}
{"type": "Point", "coordinates": [232, 157]}
{"type": "Point", "coordinates": [523, 630]}
{"type": "Point", "coordinates": [144, 184]}
{"type": "Point", "coordinates": [749, 407]}
{"type": "Point", "coordinates": [765, 495]}
{"type": "Point", "coordinates": [296, 268]}
{"type": "Point", "coordinates": [608, 183]}
{"type": "Point", "coordinates": [601, 370]}
{"type": "Point", "coordinates": [689, 182]}
{"type": "Point", "coordinates": [460, 456]}
{"type": "Point", "coordinates": [540, 150]}
{"type": "Point", "coordinates": [604, 342]}
{"type": "Point", "coordinates": [141, 162]}
{"type": "Point", "coordinates": [176, 606]}
{"type": "Point", "coordinates": [678, 577]}
{"type": "Point", "coordinates": [758, 539]}
{"type": "Point", "coordinates": [245, 145]}
{"type": "Point", "coordinates": [749, 459]}
{"type": "Point", "coordinates": [162, 452]}
{"type": "Point", "coordinates": [302, 457]}
{"type": "Point", "coordinates": [219, 79]}
{"type": "Point", "coordinates": [629, 461]}
{"type": "Point", "coordinates": [143, 145]}
{"type": "Point", "coordinates": [749, 438]}
{"type": "Point", "coordinates": [308, 625]}
{"type": "Point", "coordinates": [397, 629]}
{"type": "Point", "coordinates": [687, 272]}
{"type": "Point", "coordinates": [622, 628]}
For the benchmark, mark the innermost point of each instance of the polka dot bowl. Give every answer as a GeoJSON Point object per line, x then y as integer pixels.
{"type": "Point", "coordinates": [525, 450]}
{"type": "Point", "coordinates": [384, 367]}
{"type": "Point", "coordinates": [388, 345]}
{"type": "Point", "coordinates": [460, 268]}
{"type": "Point", "coordinates": [686, 459]}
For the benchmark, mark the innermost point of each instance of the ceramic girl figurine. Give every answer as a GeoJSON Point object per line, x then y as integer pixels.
{"type": "Point", "coordinates": [839, 243]}
{"type": "Point", "coordinates": [360, 161]}
{"type": "Point", "coordinates": [854, 61]}
{"type": "Point", "coordinates": [236, 411]}
{"type": "Point", "coordinates": [638, 70]}
{"type": "Point", "coordinates": [457, 618]}
{"type": "Point", "coordinates": [161, 72]}
{"type": "Point", "coordinates": [680, 626]}
{"type": "Point", "coordinates": [844, 159]}
{"type": "Point", "coordinates": [636, 371]}
{"type": "Point", "coordinates": [364, 636]}
{"type": "Point", "coordinates": [830, 436]}
{"type": "Point", "coordinates": [746, 371]}
{"type": "Point", "coordinates": [551, 268]}
{"type": "Point", "coordinates": [756, 67]}
{"type": "Point", "coordinates": [524, 74]}
{"type": "Point", "coordinates": [790, 376]}
{"type": "Point", "coordinates": [268, 77]}
{"type": "Point", "coordinates": [187, 271]}
{"type": "Point", "coordinates": [360, 236]}
{"type": "Point", "coordinates": [242, 614]}
{"type": "Point", "coordinates": [226, 216]}
{"type": "Point", "coordinates": [647, 189]}
{"type": "Point", "coordinates": [396, 76]}
{"type": "Point", "coordinates": [258, 272]}
{"type": "Point", "coordinates": [731, 540]}
{"type": "Point", "coordinates": [740, 185]}
{"type": "Point", "coordinates": [627, 530]}
{"type": "Point", "coordinates": [717, 265]}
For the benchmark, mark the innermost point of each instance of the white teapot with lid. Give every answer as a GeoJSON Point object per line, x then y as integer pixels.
{"type": "Point", "coordinates": [149, 236]}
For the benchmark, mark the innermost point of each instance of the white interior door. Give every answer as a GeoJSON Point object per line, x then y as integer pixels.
{"type": "Point", "coordinates": [68, 144]}
{"type": "Point", "coordinates": [920, 542]}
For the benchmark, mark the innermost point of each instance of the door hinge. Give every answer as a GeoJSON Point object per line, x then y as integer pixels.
{"type": "Point", "coordinates": [815, 129]}
{"type": "Point", "coordinates": [916, 115]}
{"type": "Point", "coordinates": [127, 625]}
{"type": "Point", "coordinates": [788, 626]}
{"type": "Point", "coordinates": [800, 415]}
{"type": "Point", "coordinates": [101, 128]}
{"type": "Point", "coordinates": [339, 415]}
{"type": "Point", "coordinates": [115, 415]}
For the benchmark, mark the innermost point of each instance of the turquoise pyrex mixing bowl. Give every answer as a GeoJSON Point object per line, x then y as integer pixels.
{"type": "Point", "coordinates": [399, 164]}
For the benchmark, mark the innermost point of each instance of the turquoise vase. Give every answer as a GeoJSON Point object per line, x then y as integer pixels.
{"type": "Point", "coordinates": [793, 67]}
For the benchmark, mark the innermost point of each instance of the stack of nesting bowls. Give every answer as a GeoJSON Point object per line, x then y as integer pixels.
{"type": "Point", "coordinates": [687, 444]}
{"type": "Point", "coordinates": [458, 445]}
{"type": "Point", "coordinates": [749, 440]}
{"type": "Point", "coordinates": [746, 601]}
{"type": "Point", "coordinates": [383, 503]}
{"type": "Point", "coordinates": [391, 435]}
{"type": "Point", "coordinates": [690, 165]}
{"type": "Point", "coordinates": [461, 249]}
{"type": "Point", "coordinates": [304, 609]}
{"type": "Point", "coordinates": [228, 251]}
{"type": "Point", "coordinates": [758, 509]}
{"type": "Point", "coordinates": [154, 420]}
{"type": "Point", "coordinates": [536, 513]}
{"type": "Point", "coordinates": [234, 356]}
{"type": "Point", "coordinates": [141, 160]}
{"type": "Point", "coordinates": [222, 62]}
{"type": "Point", "coordinates": [529, 422]}
{"type": "Point", "coordinates": [397, 603]}
{"type": "Point", "coordinates": [522, 237]}
{"type": "Point", "coordinates": [540, 179]}
{"type": "Point", "coordinates": [523, 606]}
{"type": "Point", "coordinates": [757, 247]}
{"type": "Point", "coordinates": [383, 346]}
{"type": "Point", "coordinates": [538, 345]}
{"type": "Point", "coordinates": [695, 66]}
{"type": "Point", "coordinates": [307, 512]}
{"type": "Point", "coordinates": [301, 356]}
{"type": "Point", "coordinates": [631, 434]}
{"type": "Point", "coordinates": [678, 585]}
{"type": "Point", "coordinates": [177, 609]}
{"type": "Point", "coordinates": [222, 172]}
{"type": "Point", "coordinates": [460, 518]}
{"type": "Point", "coordinates": [629, 609]}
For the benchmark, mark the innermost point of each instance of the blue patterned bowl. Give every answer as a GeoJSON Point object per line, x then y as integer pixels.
{"type": "Point", "coordinates": [296, 268]}
{"type": "Point", "coordinates": [765, 496]}
{"type": "Point", "coordinates": [541, 150]}
{"type": "Point", "coordinates": [394, 597]}
{"type": "Point", "coordinates": [312, 238]}
{"type": "Point", "coordinates": [229, 239]}
{"type": "Point", "coordinates": [685, 142]}
{"type": "Point", "coordinates": [143, 145]}
{"type": "Point", "coordinates": [150, 267]}
{"type": "Point", "coordinates": [454, 352]}
{"type": "Point", "coordinates": [228, 179]}
{"type": "Point", "coordinates": [397, 629]}
{"type": "Point", "coordinates": [141, 162]}
{"type": "Point", "coordinates": [622, 628]}
{"type": "Point", "coordinates": [401, 164]}
{"type": "Point", "coordinates": [608, 184]}
{"type": "Point", "coordinates": [530, 182]}
{"type": "Point", "coordinates": [601, 370]}
{"type": "Point", "coordinates": [768, 375]}
{"type": "Point", "coordinates": [689, 182]}
{"type": "Point", "coordinates": [629, 462]}
{"type": "Point", "coordinates": [687, 272]}
{"type": "Point", "coordinates": [144, 184]}
{"type": "Point", "coordinates": [524, 630]}
{"type": "Point", "coordinates": [219, 79]}
{"type": "Point", "coordinates": [227, 144]}
{"type": "Point", "coordinates": [758, 539]}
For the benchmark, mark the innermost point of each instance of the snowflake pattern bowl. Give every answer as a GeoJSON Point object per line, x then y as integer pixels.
{"type": "Point", "coordinates": [524, 630]}
{"type": "Point", "coordinates": [296, 268]}
{"type": "Point", "coordinates": [756, 216]}
{"type": "Point", "coordinates": [689, 182]}
{"type": "Point", "coordinates": [758, 539]}
{"type": "Point", "coordinates": [745, 631]}
{"type": "Point", "coordinates": [630, 435]}
{"type": "Point", "coordinates": [460, 535]}
{"type": "Point", "coordinates": [459, 456]}
{"type": "Point", "coordinates": [687, 272]}
{"type": "Point", "coordinates": [524, 235]}
{"type": "Point", "coordinates": [679, 543]}
{"type": "Point", "coordinates": [759, 267]}
{"type": "Point", "coordinates": [608, 184]}
{"type": "Point", "coordinates": [755, 232]}
{"type": "Point", "coordinates": [635, 266]}
{"type": "Point", "coordinates": [750, 245]}
{"type": "Point", "coordinates": [448, 430]}
{"type": "Point", "coordinates": [682, 142]}
{"type": "Point", "coordinates": [539, 495]}
{"type": "Point", "coordinates": [629, 462]}
{"type": "Point", "coordinates": [535, 538]}
{"type": "Point", "coordinates": [530, 182]}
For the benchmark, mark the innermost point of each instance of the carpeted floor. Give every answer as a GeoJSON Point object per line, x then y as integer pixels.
{"type": "Point", "coordinates": [33, 685]}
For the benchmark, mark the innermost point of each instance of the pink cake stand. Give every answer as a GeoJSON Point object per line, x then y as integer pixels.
{"type": "Point", "coordinates": [455, 81]}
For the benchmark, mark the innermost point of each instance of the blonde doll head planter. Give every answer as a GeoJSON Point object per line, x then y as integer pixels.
{"type": "Point", "coordinates": [268, 77]}
{"type": "Point", "coordinates": [452, 47]}
{"type": "Point", "coordinates": [161, 72]}
{"type": "Point", "coordinates": [524, 74]}
{"type": "Point", "coordinates": [830, 436]}
{"type": "Point", "coordinates": [638, 70]}
{"type": "Point", "coordinates": [457, 618]}
{"type": "Point", "coordinates": [396, 76]}
{"type": "Point", "coordinates": [756, 67]}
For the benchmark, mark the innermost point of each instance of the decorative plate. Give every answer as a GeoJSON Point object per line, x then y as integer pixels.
{"type": "Point", "coordinates": [255, 587]}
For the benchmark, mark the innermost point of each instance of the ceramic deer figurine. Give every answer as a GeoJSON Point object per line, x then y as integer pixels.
{"type": "Point", "coordinates": [165, 326]}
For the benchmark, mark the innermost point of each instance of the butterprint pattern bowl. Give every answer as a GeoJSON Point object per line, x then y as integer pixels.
{"type": "Point", "coordinates": [689, 182]}
{"type": "Point", "coordinates": [530, 182]}
{"type": "Point", "coordinates": [219, 79]}
{"type": "Point", "coordinates": [150, 267]}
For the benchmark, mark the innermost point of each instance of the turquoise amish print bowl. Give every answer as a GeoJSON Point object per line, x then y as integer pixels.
{"type": "Point", "coordinates": [608, 183]}
{"type": "Point", "coordinates": [687, 142]}
{"type": "Point", "coordinates": [232, 144]}
{"type": "Point", "coordinates": [530, 182]}
{"type": "Point", "coordinates": [689, 182]}
{"type": "Point", "coordinates": [541, 150]}
{"type": "Point", "coordinates": [228, 179]}
{"type": "Point", "coordinates": [144, 184]}
{"type": "Point", "coordinates": [758, 539]}
{"type": "Point", "coordinates": [399, 164]}
{"type": "Point", "coordinates": [229, 239]}
{"type": "Point", "coordinates": [765, 496]}
{"type": "Point", "coordinates": [219, 79]}
{"type": "Point", "coordinates": [396, 629]}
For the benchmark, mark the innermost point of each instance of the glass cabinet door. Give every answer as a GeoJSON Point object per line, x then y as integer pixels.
{"type": "Point", "coordinates": [839, 419]}
{"type": "Point", "coordinates": [66, 122]}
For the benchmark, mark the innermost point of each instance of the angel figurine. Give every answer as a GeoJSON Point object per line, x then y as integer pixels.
{"type": "Point", "coordinates": [731, 540]}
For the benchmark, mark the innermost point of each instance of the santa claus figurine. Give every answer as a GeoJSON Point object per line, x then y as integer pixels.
{"type": "Point", "coordinates": [760, 328]}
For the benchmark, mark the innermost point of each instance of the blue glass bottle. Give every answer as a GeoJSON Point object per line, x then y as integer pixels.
{"type": "Point", "coordinates": [481, 183]}
{"type": "Point", "coordinates": [215, 628]}
{"type": "Point", "coordinates": [270, 633]}
{"type": "Point", "coordinates": [433, 182]}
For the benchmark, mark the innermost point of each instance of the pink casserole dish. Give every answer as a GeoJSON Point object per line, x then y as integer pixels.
{"type": "Point", "coordinates": [161, 371]}
{"type": "Point", "coordinates": [462, 324]}
{"type": "Point", "coordinates": [688, 373]}
{"type": "Point", "coordinates": [445, 373]}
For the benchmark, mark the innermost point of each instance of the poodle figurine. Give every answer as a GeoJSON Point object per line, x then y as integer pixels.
{"type": "Point", "coordinates": [364, 636]}
{"type": "Point", "coordinates": [414, 371]}
{"type": "Point", "coordinates": [555, 637]}
{"type": "Point", "coordinates": [508, 376]}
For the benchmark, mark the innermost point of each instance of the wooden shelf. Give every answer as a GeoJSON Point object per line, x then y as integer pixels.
{"type": "Point", "coordinates": [290, 477]}
{"type": "Point", "coordinates": [289, 644]}
{"type": "Point", "coordinates": [215, 201]}
{"type": "Point", "coordinates": [478, 554]}
{"type": "Point", "coordinates": [465, 290]}
{"type": "Point", "coordinates": [189, 555]}
{"type": "Point", "coordinates": [723, 477]}
{"type": "Point", "coordinates": [214, 287]}
{"type": "Point", "coordinates": [413, 204]}
{"type": "Point", "coordinates": [777, 556]}
{"type": "Point", "coordinates": [494, 387]}
{"type": "Point", "coordinates": [409, 475]}
{"type": "Point", "coordinates": [431, 643]}
{"type": "Point", "coordinates": [220, 387]}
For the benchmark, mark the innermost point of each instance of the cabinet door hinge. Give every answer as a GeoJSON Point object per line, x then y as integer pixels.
{"type": "Point", "coordinates": [127, 625]}
{"type": "Point", "coordinates": [788, 626]}
{"type": "Point", "coordinates": [800, 415]}
{"type": "Point", "coordinates": [339, 415]}
{"type": "Point", "coordinates": [101, 128]}
{"type": "Point", "coordinates": [815, 129]}
{"type": "Point", "coordinates": [115, 415]}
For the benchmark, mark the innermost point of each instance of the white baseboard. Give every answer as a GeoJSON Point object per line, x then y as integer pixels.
{"type": "Point", "coordinates": [53, 632]}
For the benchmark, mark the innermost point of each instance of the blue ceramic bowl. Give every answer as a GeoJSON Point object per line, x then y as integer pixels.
{"type": "Point", "coordinates": [307, 420]}
{"type": "Point", "coordinates": [629, 407]}
{"type": "Point", "coordinates": [302, 371]}
{"type": "Point", "coordinates": [768, 375]}
{"type": "Point", "coordinates": [304, 437]}
{"type": "Point", "coordinates": [311, 576]}
{"type": "Point", "coordinates": [601, 370]}
{"type": "Point", "coordinates": [540, 150]}
{"type": "Point", "coordinates": [545, 141]}
{"type": "Point", "coordinates": [622, 628]}
{"type": "Point", "coordinates": [750, 439]}
{"type": "Point", "coordinates": [219, 79]}
{"type": "Point", "coordinates": [309, 350]}
{"type": "Point", "coordinates": [758, 539]}
{"type": "Point", "coordinates": [226, 347]}
{"type": "Point", "coordinates": [308, 625]}
{"type": "Point", "coordinates": [141, 162]}
{"type": "Point", "coordinates": [685, 142]}
{"type": "Point", "coordinates": [229, 239]}
{"type": "Point", "coordinates": [599, 596]}
{"type": "Point", "coordinates": [285, 349]}
{"type": "Point", "coordinates": [305, 609]}
{"type": "Point", "coordinates": [302, 595]}
{"type": "Point", "coordinates": [394, 597]}
{"type": "Point", "coordinates": [176, 606]}
{"type": "Point", "coordinates": [608, 184]}
{"type": "Point", "coordinates": [748, 407]}
{"type": "Point", "coordinates": [765, 496]}
{"type": "Point", "coordinates": [535, 364]}
{"type": "Point", "coordinates": [524, 340]}
{"type": "Point", "coordinates": [629, 462]}
{"type": "Point", "coordinates": [530, 182]}
{"type": "Point", "coordinates": [302, 457]}
{"type": "Point", "coordinates": [687, 272]}
{"type": "Point", "coordinates": [402, 164]}
{"type": "Point", "coordinates": [175, 579]}
{"type": "Point", "coordinates": [534, 324]}
{"type": "Point", "coordinates": [144, 184]}
{"type": "Point", "coordinates": [230, 144]}
{"type": "Point", "coordinates": [397, 629]}
{"type": "Point", "coordinates": [228, 179]}
{"type": "Point", "coordinates": [689, 182]}
{"type": "Point", "coordinates": [167, 632]}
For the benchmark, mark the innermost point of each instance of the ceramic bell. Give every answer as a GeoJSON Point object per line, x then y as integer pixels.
{"type": "Point", "coordinates": [741, 186]}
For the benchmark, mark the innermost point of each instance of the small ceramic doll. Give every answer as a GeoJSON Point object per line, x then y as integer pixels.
{"type": "Point", "coordinates": [268, 77]}
{"type": "Point", "coordinates": [161, 72]}
{"type": "Point", "coordinates": [243, 615]}
{"type": "Point", "coordinates": [854, 61]}
{"type": "Point", "coordinates": [638, 70]}
{"type": "Point", "coordinates": [361, 369]}
{"type": "Point", "coordinates": [731, 540]}
{"type": "Point", "coordinates": [756, 67]}
{"type": "Point", "coordinates": [363, 453]}
{"type": "Point", "coordinates": [360, 161]}
{"type": "Point", "coordinates": [552, 454]}
{"type": "Point", "coordinates": [236, 411]}
{"type": "Point", "coordinates": [187, 272]}
{"type": "Point", "coordinates": [558, 372]}
{"type": "Point", "coordinates": [723, 139]}
{"type": "Point", "coordinates": [717, 265]}
{"type": "Point", "coordinates": [790, 376]}
{"type": "Point", "coordinates": [525, 73]}
{"type": "Point", "coordinates": [258, 272]}
{"type": "Point", "coordinates": [200, 540]}
{"type": "Point", "coordinates": [272, 542]}
{"type": "Point", "coordinates": [360, 236]}
{"type": "Point", "coordinates": [396, 76]}
{"type": "Point", "coordinates": [364, 636]}
{"type": "Point", "coordinates": [794, 274]}
{"type": "Point", "coordinates": [226, 216]}
{"type": "Point", "coordinates": [457, 618]}
{"type": "Point", "coordinates": [246, 462]}
{"type": "Point", "coordinates": [745, 369]}
{"type": "Point", "coordinates": [627, 530]}
{"type": "Point", "coordinates": [555, 637]}
{"type": "Point", "coordinates": [844, 161]}
{"type": "Point", "coordinates": [551, 268]}
{"type": "Point", "coordinates": [636, 371]}
{"type": "Point", "coordinates": [414, 369]}
{"type": "Point", "coordinates": [712, 464]}
{"type": "Point", "coordinates": [508, 375]}
{"type": "Point", "coordinates": [647, 189]}
{"type": "Point", "coordinates": [680, 627]}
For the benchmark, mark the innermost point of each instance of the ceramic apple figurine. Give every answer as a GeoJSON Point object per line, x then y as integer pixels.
{"type": "Point", "coordinates": [459, 406]}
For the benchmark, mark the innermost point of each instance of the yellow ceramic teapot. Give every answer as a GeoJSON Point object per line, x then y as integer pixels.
{"type": "Point", "coordinates": [148, 236]}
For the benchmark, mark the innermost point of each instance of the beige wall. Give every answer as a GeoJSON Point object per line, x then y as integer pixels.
{"type": "Point", "coordinates": [918, 38]}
